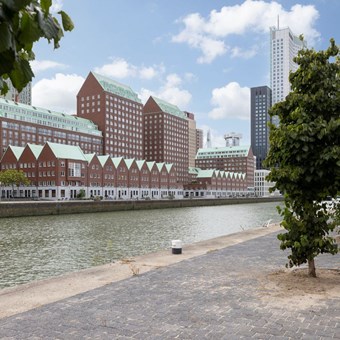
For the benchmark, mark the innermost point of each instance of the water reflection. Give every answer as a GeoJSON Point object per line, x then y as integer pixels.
{"type": "Point", "coordinates": [33, 248]}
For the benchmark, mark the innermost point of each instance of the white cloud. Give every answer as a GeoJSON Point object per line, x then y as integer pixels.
{"type": "Point", "coordinates": [57, 5]}
{"type": "Point", "coordinates": [209, 34]}
{"type": "Point", "coordinates": [237, 52]}
{"type": "Point", "coordinates": [231, 101]}
{"type": "Point", "coordinates": [58, 93]}
{"type": "Point", "coordinates": [147, 72]}
{"type": "Point", "coordinates": [196, 38]}
{"type": "Point", "coordinates": [120, 68]}
{"type": "Point", "coordinates": [43, 65]}
{"type": "Point", "coordinates": [211, 48]}
{"type": "Point", "coordinates": [171, 92]}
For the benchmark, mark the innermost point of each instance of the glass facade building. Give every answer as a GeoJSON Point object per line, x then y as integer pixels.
{"type": "Point", "coordinates": [260, 103]}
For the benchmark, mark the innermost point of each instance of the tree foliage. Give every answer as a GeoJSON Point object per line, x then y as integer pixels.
{"type": "Point", "coordinates": [12, 177]}
{"type": "Point", "coordinates": [22, 23]}
{"type": "Point", "coordinates": [304, 154]}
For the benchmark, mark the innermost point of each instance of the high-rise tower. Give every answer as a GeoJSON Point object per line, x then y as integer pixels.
{"type": "Point", "coordinates": [284, 46]}
{"type": "Point", "coordinates": [260, 103]}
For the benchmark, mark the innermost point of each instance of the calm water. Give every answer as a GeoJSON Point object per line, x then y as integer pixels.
{"type": "Point", "coordinates": [33, 248]}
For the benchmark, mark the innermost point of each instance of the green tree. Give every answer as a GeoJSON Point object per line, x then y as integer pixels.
{"type": "Point", "coordinates": [22, 23]}
{"type": "Point", "coordinates": [304, 155]}
{"type": "Point", "coordinates": [13, 178]}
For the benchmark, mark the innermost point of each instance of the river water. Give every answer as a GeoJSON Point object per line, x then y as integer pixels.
{"type": "Point", "coordinates": [33, 248]}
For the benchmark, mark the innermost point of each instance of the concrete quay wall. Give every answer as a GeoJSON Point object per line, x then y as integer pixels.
{"type": "Point", "coordinates": [41, 208]}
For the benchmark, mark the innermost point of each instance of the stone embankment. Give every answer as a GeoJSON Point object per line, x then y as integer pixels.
{"type": "Point", "coordinates": [40, 208]}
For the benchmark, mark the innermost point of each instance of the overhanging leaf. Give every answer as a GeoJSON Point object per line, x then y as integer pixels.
{"type": "Point", "coordinates": [66, 21]}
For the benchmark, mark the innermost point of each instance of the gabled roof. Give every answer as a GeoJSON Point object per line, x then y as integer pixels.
{"type": "Point", "coordinates": [169, 166]}
{"type": "Point", "coordinates": [103, 159]}
{"type": "Point", "coordinates": [218, 173]}
{"type": "Point", "coordinates": [129, 162]}
{"type": "Point", "coordinates": [150, 164]}
{"type": "Point", "coordinates": [36, 149]}
{"type": "Point", "coordinates": [17, 150]}
{"type": "Point", "coordinates": [89, 156]}
{"type": "Point", "coordinates": [140, 163]}
{"type": "Point", "coordinates": [116, 88]}
{"type": "Point", "coordinates": [116, 161]}
{"type": "Point", "coordinates": [65, 151]}
{"type": "Point", "coordinates": [169, 108]}
{"type": "Point", "coordinates": [160, 166]}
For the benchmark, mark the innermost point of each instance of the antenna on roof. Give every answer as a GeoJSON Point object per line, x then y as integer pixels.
{"type": "Point", "coordinates": [278, 22]}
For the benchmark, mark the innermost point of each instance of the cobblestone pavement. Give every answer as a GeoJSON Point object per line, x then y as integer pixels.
{"type": "Point", "coordinates": [219, 295]}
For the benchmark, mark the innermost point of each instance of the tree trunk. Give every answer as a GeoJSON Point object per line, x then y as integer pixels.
{"type": "Point", "coordinates": [311, 268]}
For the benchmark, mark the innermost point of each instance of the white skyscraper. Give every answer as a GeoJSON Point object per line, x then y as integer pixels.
{"type": "Point", "coordinates": [284, 46]}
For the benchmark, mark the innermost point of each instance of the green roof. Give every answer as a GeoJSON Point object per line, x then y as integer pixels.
{"type": "Point", "coordinates": [140, 163]}
{"type": "Point", "coordinates": [36, 149]}
{"type": "Point", "coordinates": [65, 151]}
{"type": "Point", "coordinates": [206, 173]}
{"type": "Point", "coordinates": [89, 156]}
{"type": "Point", "coordinates": [17, 150]}
{"type": "Point", "coordinates": [129, 162]}
{"type": "Point", "coordinates": [222, 152]}
{"type": "Point", "coordinates": [116, 161]}
{"type": "Point", "coordinates": [169, 167]}
{"type": "Point", "coordinates": [193, 171]}
{"type": "Point", "coordinates": [160, 166]}
{"type": "Point", "coordinates": [150, 164]}
{"type": "Point", "coordinates": [103, 159]}
{"type": "Point", "coordinates": [46, 118]}
{"type": "Point", "coordinates": [169, 108]}
{"type": "Point", "coordinates": [116, 88]}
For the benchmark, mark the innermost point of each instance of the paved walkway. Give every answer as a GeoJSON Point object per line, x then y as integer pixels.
{"type": "Point", "coordinates": [225, 294]}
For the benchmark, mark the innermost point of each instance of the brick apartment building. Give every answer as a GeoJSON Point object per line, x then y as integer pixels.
{"type": "Point", "coordinates": [166, 135]}
{"type": "Point", "coordinates": [192, 147]}
{"type": "Point", "coordinates": [21, 124]}
{"type": "Point", "coordinates": [59, 171]}
{"type": "Point", "coordinates": [238, 159]}
{"type": "Point", "coordinates": [117, 111]}
{"type": "Point", "coordinates": [199, 139]}
{"type": "Point", "coordinates": [212, 183]}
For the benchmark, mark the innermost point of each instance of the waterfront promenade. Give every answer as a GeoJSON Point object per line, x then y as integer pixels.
{"type": "Point", "coordinates": [227, 288]}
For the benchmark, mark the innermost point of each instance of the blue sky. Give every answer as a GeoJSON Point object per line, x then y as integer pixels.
{"type": "Point", "coordinates": [200, 55]}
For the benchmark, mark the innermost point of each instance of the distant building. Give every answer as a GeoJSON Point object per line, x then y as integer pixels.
{"type": "Point", "coordinates": [199, 139]}
{"type": "Point", "coordinates": [192, 137]}
{"type": "Point", "coordinates": [262, 186]}
{"type": "Point", "coordinates": [24, 97]}
{"type": "Point", "coordinates": [232, 139]}
{"type": "Point", "coordinates": [166, 135]}
{"type": "Point", "coordinates": [239, 159]}
{"type": "Point", "coordinates": [117, 111]}
{"type": "Point", "coordinates": [260, 103]}
{"type": "Point", "coordinates": [211, 183]}
{"type": "Point", "coordinates": [284, 46]}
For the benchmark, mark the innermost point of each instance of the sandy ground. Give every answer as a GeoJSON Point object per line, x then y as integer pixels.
{"type": "Point", "coordinates": [294, 289]}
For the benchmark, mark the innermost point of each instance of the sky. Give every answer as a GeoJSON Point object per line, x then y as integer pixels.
{"type": "Point", "coordinates": [201, 55]}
